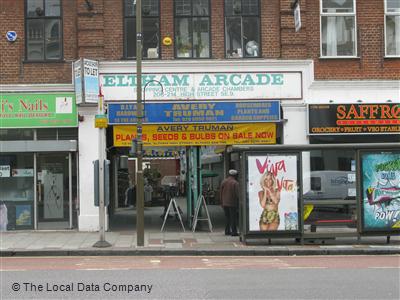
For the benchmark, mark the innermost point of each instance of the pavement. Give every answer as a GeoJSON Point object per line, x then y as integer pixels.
{"type": "Point", "coordinates": [173, 240]}
{"type": "Point", "coordinates": [74, 243]}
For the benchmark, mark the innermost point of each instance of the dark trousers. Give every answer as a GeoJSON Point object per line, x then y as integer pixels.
{"type": "Point", "coordinates": [230, 220]}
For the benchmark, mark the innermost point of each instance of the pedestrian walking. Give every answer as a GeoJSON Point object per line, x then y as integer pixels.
{"type": "Point", "coordinates": [229, 195]}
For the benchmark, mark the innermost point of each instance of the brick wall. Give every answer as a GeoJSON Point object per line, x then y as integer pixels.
{"type": "Point", "coordinates": [98, 34]}
{"type": "Point", "coordinates": [12, 65]}
{"type": "Point", "coordinates": [371, 63]}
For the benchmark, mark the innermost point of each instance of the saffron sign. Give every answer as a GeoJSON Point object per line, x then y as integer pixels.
{"type": "Point", "coordinates": [196, 112]}
{"type": "Point", "coordinates": [340, 119]}
{"type": "Point", "coordinates": [204, 86]}
{"type": "Point", "coordinates": [38, 110]}
{"type": "Point", "coordinates": [197, 134]}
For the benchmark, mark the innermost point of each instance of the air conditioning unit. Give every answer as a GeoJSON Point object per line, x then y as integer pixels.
{"type": "Point", "coordinates": [152, 53]}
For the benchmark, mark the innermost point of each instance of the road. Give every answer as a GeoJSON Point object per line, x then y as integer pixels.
{"type": "Point", "coordinates": [308, 277]}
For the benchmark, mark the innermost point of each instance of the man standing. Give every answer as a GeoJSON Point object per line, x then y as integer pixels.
{"type": "Point", "coordinates": [229, 195]}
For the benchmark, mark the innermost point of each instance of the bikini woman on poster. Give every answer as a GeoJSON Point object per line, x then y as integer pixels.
{"type": "Point", "coordinates": [269, 198]}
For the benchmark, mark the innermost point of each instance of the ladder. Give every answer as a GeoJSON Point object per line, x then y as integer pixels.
{"type": "Point", "coordinates": [201, 201]}
{"type": "Point", "coordinates": [172, 203]}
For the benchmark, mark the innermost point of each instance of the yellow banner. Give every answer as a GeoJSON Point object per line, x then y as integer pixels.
{"type": "Point", "coordinates": [197, 134]}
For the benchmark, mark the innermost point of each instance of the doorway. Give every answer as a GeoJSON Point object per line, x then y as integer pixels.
{"type": "Point", "coordinates": [55, 192]}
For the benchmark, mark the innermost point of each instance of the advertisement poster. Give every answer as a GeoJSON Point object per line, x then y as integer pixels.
{"type": "Point", "coordinates": [272, 193]}
{"type": "Point", "coordinates": [381, 191]}
{"type": "Point", "coordinates": [91, 80]}
{"type": "Point", "coordinates": [23, 215]}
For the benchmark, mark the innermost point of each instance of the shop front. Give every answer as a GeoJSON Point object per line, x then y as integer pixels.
{"type": "Point", "coordinates": [38, 161]}
{"type": "Point", "coordinates": [193, 114]}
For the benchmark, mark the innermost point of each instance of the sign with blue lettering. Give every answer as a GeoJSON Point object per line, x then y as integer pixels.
{"type": "Point", "coordinates": [11, 36]}
{"type": "Point", "coordinates": [196, 112]}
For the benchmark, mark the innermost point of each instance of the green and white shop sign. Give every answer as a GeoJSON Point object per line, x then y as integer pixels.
{"type": "Point", "coordinates": [38, 110]}
{"type": "Point", "coordinates": [204, 86]}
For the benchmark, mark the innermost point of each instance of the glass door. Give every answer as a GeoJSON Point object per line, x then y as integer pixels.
{"type": "Point", "coordinates": [54, 201]}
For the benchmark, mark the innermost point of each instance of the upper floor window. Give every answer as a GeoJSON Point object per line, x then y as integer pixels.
{"type": "Point", "coordinates": [242, 28]}
{"type": "Point", "coordinates": [150, 28]}
{"type": "Point", "coordinates": [338, 28]}
{"type": "Point", "coordinates": [392, 27]}
{"type": "Point", "coordinates": [192, 28]}
{"type": "Point", "coordinates": [43, 30]}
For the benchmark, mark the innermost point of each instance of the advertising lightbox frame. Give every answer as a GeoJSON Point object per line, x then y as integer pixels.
{"type": "Point", "coordinates": [367, 192]}
{"type": "Point", "coordinates": [245, 198]}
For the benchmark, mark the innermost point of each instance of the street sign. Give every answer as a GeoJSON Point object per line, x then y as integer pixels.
{"type": "Point", "coordinates": [100, 121]}
{"type": "Point", "coordinates": [11, 36]}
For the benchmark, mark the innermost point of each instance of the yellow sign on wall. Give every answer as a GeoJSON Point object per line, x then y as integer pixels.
{"type": "Point", "coordinates": [197, 134]}
{"type": "Point", "coordinates": [100, 121]}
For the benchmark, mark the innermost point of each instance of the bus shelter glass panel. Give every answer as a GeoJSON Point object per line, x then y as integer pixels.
{"type": "Point", "coordinates": [16, 191]}
{"type": "Point", "coordinates": [329, 190]}
{"type": "Point", "coordinates": [53, 191]}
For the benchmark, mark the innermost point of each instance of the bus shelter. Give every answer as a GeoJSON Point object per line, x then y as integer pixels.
{"type": "Point", "coordinates": [319, 191]}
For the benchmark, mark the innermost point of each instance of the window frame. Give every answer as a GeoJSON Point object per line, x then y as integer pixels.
{"type": "Point", "coordinates": [125, 37]}
{"type": "Point", "coordinates": [386, 14]}
{"type": "Point", "coordinates": [191, 17]}
{"type": "Point", "coordinates": [241, 15]}
{"type": "Point", "coordinates": [347, 14]}
{"type": "Point", "coordinates": [44, 18]}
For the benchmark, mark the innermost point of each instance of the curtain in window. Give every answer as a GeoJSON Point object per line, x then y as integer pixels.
{"type": "Point", "coordinates": [397, 34]}
{"type": "Point", "coordinates": [393, 35]}
{"type": "Point", "coordinates": [331, 37]}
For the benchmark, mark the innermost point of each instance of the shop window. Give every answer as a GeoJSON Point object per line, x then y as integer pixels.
{"type": "Point", "coordinates": [17, 191]}
{"type": "Point", "coordinates": [344, 163]}
{"type": "Point", "coordinates": [150, 28]}
{"type": "Point", "coordinates": [192, 28]}
{"type": "Point", "coordinates": [16, 134]}
{"type": "Point", "coordinates": [67, 134]}
{"type": "Point", "coordinates": [338, 28]}
{"type": "Point", "coordinates": [46, 134]}
{"type": "Point", "coordinates": [43, 30]}
{"type": "Point", "coordinates": [392, 27]}
{"type": "Point", "coordinates": [57, 133]}
{"type": "Point", "coordinates": [317, 163]}
{"type": "Point", "coordinates": [242, 28]}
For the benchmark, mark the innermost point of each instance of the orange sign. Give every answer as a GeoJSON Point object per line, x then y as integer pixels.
{"type": "Point", "coordinates": [197, 134]}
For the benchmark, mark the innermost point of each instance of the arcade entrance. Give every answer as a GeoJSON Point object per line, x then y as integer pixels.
{"type": "Point", "coordinates": [180, 172]}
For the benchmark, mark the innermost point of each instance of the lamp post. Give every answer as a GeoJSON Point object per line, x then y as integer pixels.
{"type": "Point", "coordinates": [139, 120]}
{"type": "Point", "coordinates": [139, 115]}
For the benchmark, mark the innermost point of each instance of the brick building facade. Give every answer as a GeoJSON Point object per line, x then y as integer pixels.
{"type": "Point", "coordinates": [98, 34]}
{"type": "Point", "coordinates": [357, 62]}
